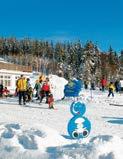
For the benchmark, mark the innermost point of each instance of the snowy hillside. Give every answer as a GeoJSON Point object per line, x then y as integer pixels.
{"type": "Point", "coordinates": [36, 132]}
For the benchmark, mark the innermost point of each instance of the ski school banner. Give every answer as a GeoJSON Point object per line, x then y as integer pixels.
{"type": "Point", "coordinates": [73, 88]}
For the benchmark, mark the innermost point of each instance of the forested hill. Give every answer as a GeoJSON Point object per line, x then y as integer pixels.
{"type": "Point", "coordinates": [65, 59]}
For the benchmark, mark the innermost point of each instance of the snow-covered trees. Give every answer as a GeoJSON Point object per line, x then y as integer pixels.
{"type": "Point", "coordinates": [66, 59]}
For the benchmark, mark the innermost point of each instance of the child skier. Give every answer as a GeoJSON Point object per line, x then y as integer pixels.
{"type": "Point", "coordinates": [29, 94]}
{"type": "Point", "coordinates": [111, 89]}
{"type": "Point", "coordinates": [50, 101]}
{"type": "Point", "coordinates": [6, 92]}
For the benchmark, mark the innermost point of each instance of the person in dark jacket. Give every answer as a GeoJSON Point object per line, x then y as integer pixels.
{"type": "Point", "coordinates": [1, 90]}
{"type": "Point", "coordinates": [37, 87]}
{"type": "Point", "coordinates": [117, 85]}
{"type": "Point", "coordinates": [86, 84]}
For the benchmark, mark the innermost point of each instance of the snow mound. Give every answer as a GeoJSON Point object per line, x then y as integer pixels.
{"type": "Point", "coordinates": [17, 141]}
{"type": "Point", "coordinates": [57, 86]}
{"type": "Point", "coordinates": [100, 147]}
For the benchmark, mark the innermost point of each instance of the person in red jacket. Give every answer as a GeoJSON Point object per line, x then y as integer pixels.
{"type": "Point", "coordinates": [45, 90]}
{"type": "Point", "coordinates": [50, 101]}
{"type": "Point", "coordinates": [6, 92]}
{"type": "Point", "coordinates": [103, 83]}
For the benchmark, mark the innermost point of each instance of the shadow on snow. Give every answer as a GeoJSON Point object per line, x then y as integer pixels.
{"type": "Point", "coordinates": [114, 120]}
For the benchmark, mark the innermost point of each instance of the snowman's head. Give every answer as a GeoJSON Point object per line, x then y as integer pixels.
{"type": "Point", "coordinates": [78, 108]}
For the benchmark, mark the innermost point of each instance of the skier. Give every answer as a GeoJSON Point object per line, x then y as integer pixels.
{"type": "Point", "coordinates": [6, 92]}
{"type": "Point", "coordinates": [92, 85]}
{"type": "Point", "coordinates": [86, 84]}
{"type": "Point", "coordinates": [16, 90]}
{"type": "Point", "coordinates": [50, 101]}
{"type": "Point", "coordinates": [1, 90]}
{"type": "Point", "coordinates": [42, 78]}
{"type": "Point", "coordinates": [45, 90]}
{"type": "Point", "coordinates": [29, 94]}
{"type": "Point", "coordinates": [117, 85]}
{"type": "Point", "coordinates": [103, 83]}
{"type": "Point", "coordinates": [111, 89]}
{"type": "Point", "coordinates": [37, 87]}
{"type": "Point", "coordinates": [29, 91]}
{"type": "Point", "coordinates": [22, 88]}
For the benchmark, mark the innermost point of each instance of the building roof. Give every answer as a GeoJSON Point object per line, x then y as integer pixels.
{"type": "Point", "coordinates": [15, 72]}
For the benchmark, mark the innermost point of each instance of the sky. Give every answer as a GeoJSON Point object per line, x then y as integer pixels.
{"type": "Point", "coordinates": [64, 20]}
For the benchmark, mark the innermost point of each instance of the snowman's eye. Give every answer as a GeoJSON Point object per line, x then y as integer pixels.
{"type": "Point", "coordinates": [75, 134]}
{"type": "Point", "coordinates": [85, 133]}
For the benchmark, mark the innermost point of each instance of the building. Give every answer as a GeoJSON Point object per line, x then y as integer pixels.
{"type": "Point", "coordinates": [9, 77]}
{"type": "Point", "coordinates": [9, 73]}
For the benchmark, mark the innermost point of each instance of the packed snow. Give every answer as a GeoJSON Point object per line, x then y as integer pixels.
{"type": "Point", "coordinates": [36, 132]}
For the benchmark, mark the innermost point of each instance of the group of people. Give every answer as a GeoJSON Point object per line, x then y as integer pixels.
{"type": "Point", "coordinates": [111, 86]}
{"type": "Point", "coordinates": [43, 89]}
{"type": "Point", "coordinates": [24, 90]}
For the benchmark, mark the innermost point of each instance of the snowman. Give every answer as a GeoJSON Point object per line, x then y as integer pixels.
{"type": "Point", "coordinates": [78, 126]}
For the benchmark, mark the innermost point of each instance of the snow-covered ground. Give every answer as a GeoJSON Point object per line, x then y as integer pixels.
{"type": "Point", "coordinates": [36, 132]}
